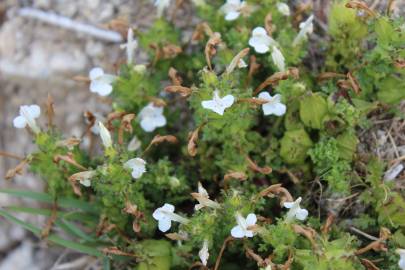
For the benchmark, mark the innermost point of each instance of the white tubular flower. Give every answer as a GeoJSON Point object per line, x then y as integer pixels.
{"type": "Point", "coordinates": [260, 40]}
{"type": "Point", "coordinates": [295, 210]}
{"type": "Point", "coordinates": [243, 228]}
{"type": "Point", "coordinates": [284, 9]}
{"type": "Point", "coordinates": [27, 116]}
{"type": "Point", "coordinates": [242, 63]}
{"type": "Point", "coordinates": [278, 58]}
{"type": "Point", "coordinates": [130, 46]}
{"type": "Point", "coordinates": [161, 5]}
{"type": "Point", "coordinates": [401, 262]}
{"type": "Point", "coordinates": [100, 82]}
{"type": "Point", "coordinates": [152, 117]}
{"type": "Point", "coordinates": [307, 28]}
{"type": "Point", "coordinates": [137, 165]}
{"type": "Point", "coordinates": [218, 104]}
{"type": "Point", "coordinates": [104, 135]}
{"type": "Point", "coordinates": [274, 106]}
{"type": "Point", "coordinates": [203, 198]}
{"type": "Point", "coordinates": [232, 9]}
{"type": "Point", "coordinates": [134, 144]}
{"type": "Point", "coordinates": [203, 253]}
{"type": "Point", "coordinates": [165, 215]}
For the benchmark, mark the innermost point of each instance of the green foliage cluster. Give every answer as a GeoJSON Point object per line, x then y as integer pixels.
{"type": "Point", "coordinates": [247, 162]}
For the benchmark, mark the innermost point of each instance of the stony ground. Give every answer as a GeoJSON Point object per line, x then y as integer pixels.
{"type": "Point", "coordinates": [37, 59]}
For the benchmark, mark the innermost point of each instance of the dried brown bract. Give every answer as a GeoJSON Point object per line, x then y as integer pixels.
{"type": "Point", "coordinates": [50, 110]}
{"type": "Point", "coordinates": [276, 77]}
{"type": "Point", "coordinates": [176, 236]}
{"type": "Point", "coordinates": [277, 190]}
{"type": "Point", "coordinates": [175, 77]}
{"type": "Point", "coordinates": [116, 251]}
{"type": "Point", "coordinates": [119, 25]}
{"type": "Point", "coordinates": [210, 48]}
{"type": "Point", "coordinates": [377, 245]}
{"type": "Point", "coordinates": [11, 173]}
{"type": "Point", "coordinates": [235, 175]}
{"type": "Point", "coordinates": [268, 24]}
{"type": "Point", "coordinates": [125, 126]}
{"type": "Point", "coordinates": [69, 143]}
{"type": "Point", "coordinates": [192, 141]}
{"type": "Point", "coordinates": [253, 166]}
{"type": "Point", "coordinates": [399, 63]}
{"type": "Point", "coordinates": [201, 30]}
{"type": "Point", "coordinates": [183, 91]}
{"type": "Point", "coordinates": [360, 5]}
{"type": "Point", "coordinates": [235, 61]}
{"type": "Point", "coordinates": [329, 75]}
{"type": "Point", "coordinates": [68, 159]}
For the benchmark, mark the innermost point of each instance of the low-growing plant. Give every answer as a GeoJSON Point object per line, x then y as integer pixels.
{"type": "Point", "coordinates": [216, 150]}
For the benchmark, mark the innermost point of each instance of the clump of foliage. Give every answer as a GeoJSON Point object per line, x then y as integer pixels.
{"type": "Point", "coordinates": [209, 156]}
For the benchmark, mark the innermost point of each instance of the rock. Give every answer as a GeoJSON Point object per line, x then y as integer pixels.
{"type": "Point", "coordinates": [21, 258]}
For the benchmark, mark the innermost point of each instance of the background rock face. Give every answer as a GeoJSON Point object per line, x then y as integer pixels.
{"type": "Point", "coordinates": [36, 59]}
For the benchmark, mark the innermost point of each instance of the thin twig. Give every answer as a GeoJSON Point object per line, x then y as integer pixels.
{"type": "Point", "coordinates": [228, 239]}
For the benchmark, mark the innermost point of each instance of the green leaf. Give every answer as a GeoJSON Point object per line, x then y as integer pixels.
{"type": "Point", "coordinates": [43, 197]}
{"type": "Point", "coordinates": [53, 238]}
{"type": "Point", "coordinates": [313, 109]}
{"type": "Point", "coordinates": [294, 146]}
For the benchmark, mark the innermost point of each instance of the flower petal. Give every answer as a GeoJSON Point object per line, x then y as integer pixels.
{"type": "Point", "coordinates": [259, 31]}
{"type": "Point", "coordinates": [301, 214]}
{"type": "Point", "coordinates": [164, 224]}
{"type": "Point", "coordinates": [288, 204]}
{"type": "Point", "coordinates": [96, 73]}
{"type": "Point", "coordinates": [101, 88]}
{"type": "Point", "coordinates": [147, 125]}
{"type": "Point", "coordinates": [265, 95]}
{"type": "Point", "coordinates": [168, 207]}
{"type": "Point", "coordinates": [160, 121]}
{"type": "Point", "coordinates": [158, 214]}
{"type": "Point", "coordinates": [251, 219]}
{"type": "Point", "coordinates": [231, 16]}
{"type": "Point", "coordinates": [261, 48]}
{"type": "Point", "coordinates": [237, 232]}
{"type": "Point", "coordinates": [19, 122]}
{"type": "Point", "coordinates": [228, 100]}
{"type": "Point", "coordinates": [34, 110]}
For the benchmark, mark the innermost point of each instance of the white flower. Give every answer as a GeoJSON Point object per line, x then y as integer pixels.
{"type": "Point", "coordinates": [165, 215]}
{"type": "Point", "coordinates": [401, 262]}
{"type": "Point", "coordinates": [203, 198]}
{"type": "Point", "coordinates": [104, 135]}
{"type": "Point", "coordinates": [243, 228]}
{"type": "Point", "coordinates": [260, 40]}
{"type": "Point", "coordinates": [27, 116]}
{"type": "Point", "coordinates": [278, 59]}
{"type": "Point", "coordinates": [137, 165]}
{"type": "Point", "coordinates": [295, 210]}
{"type": "Point", "coordinates": [307, 28]}
{"type": "Point", "coordinates": [152, 117]}
{"type": "Point", "coordinates": [100, 82]}
{"type": "Point", "coordinates": [130, 46]}
{"type": "Point", "coordinates": [218, 104]}
{"type": "Point", "coordinates": [203, 253]}
{"type": "Point", "coordinates": [274, 106]}
{"type": "Point", "coordinates": [161, 5]}
{"type": "Point", "coordinates": [232, 9]}
{"type": "Point", "coordinates": [134, 144]}
{"type": "Point", "coordinates": [284, 9]}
